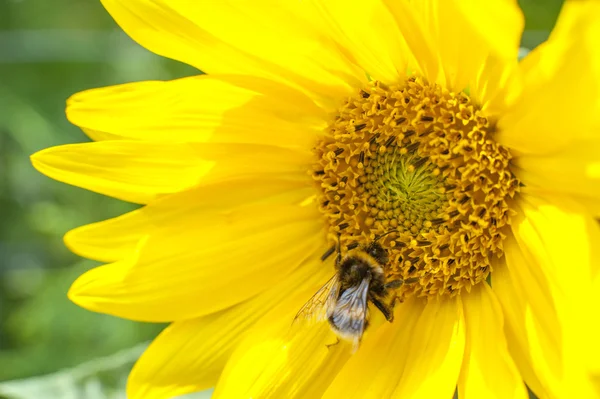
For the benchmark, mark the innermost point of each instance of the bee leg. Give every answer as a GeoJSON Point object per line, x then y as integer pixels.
{"type": "Point", "coordinates": [399, 283]}
{"type": "Point", "coordinates": [392, 305]}
{"type": "Point", "coordinates": [337, 341]}
{"type": "Point", "coordinates": [394, 284]}
{"type": "Point", "coordinates": [395, 300]}
{"type": "Point", "coordinates": [385, 309]}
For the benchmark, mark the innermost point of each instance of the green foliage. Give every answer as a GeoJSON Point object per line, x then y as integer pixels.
{"type": "Point", "coordinates": [101, 378]}
{"type": "Point", "coordinates": [48, 51]}
{"type": "Point", "coordinates": [540, 18]}
{"type": "Point", "coordinates": [52, 333]}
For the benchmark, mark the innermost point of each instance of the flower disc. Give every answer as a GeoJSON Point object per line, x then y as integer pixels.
{"type": "Point", "coordinates": [420, 163]}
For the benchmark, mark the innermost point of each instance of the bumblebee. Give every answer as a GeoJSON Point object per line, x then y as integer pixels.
{"type": "Point", "coordinates": [359, 279]}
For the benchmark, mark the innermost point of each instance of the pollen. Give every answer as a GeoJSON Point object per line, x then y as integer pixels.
{"type": "Point", "coordinates": [420, 163]}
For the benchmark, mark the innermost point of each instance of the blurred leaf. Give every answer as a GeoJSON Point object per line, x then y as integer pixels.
{"type": "Point", "coordinates": [540, 17]}
{"type": "Point", "coordinates": [53, 333]}
{"type": "Point", "coordinates": [533, 38]}
{"type": "Point", "coordinates": [98, 379]}
{"type": "Point", "coordinates": [540, 14]}
{"type": "Point", "coordinates": [102, 378]}
{"type": "Point", "coordinates": [48, 51]}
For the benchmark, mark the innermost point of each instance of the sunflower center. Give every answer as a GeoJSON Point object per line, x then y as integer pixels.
{"type": "Point", "coordinates": [420, 163]}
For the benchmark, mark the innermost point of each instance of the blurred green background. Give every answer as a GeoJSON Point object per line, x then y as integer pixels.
{"type": "Point", "coordinates": [50, 49]}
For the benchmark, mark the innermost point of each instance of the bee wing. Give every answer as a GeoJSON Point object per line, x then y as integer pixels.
{"type": "Point", "coordinates": [322, 303]}
{"type": "Point", "coordinates": [350, 312]}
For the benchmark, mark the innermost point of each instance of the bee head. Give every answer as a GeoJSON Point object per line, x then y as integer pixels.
{"type": "Point", "coordinates": [376, 251]}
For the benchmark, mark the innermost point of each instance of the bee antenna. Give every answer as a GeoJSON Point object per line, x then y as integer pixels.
{"type": "Point", "coordinates": [379, 237]}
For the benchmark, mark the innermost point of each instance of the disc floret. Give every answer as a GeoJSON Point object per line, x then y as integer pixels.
{"type": "Point", "coordinates": [417, 158]}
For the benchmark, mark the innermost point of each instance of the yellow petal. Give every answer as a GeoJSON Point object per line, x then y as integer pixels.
{"type": "Point", "coordinates": [208, 262]}
{"type": "Point", "coordinates": [411, 23]}
{"type": "Point", "coordinates": [498, 23]}
{"type": "Point", "coordinates": [419, 355]}
{"type": "Point", "coordinates": [513, 308]}
{"type": "Point", "coordinates": [462, 44]}
{"type": "Point", "coordinates": [488, 370]}
{"type": "Point", "coordinates": [435, 352]}
{"type": "Point", "coordinates": [278, 359]}
{"type": "Point", "coordinates": [187, 356]}
{"type": "Point", "coordinates": [190, 355]}
{"type": "Point", "coordinates": [469, 35]}
{"type": "Point", "coordinates": [368, 373]}
{"type": "Point", "coordinates": [560, 95]}
{"type": "Point", "coordinates": [369, 32]}
{"type": "Point", "coordinates": [484, 50]}
{"type": "Point", "coordinates": [109, 240]}
{"type": "Point", "coordinates": [545, 293]}
{"type": "Point", "coordinates": [560, 237]}
{"type": "Point", "coordinates": [271, 364]}
{"type": "Point", "coordinates": [198, 109]}
{"type": "Point", "coordinates": [593, 361]}
{"type": "Point", "coordinates": [275, 40]}
{"type": "Point", "coordinates": [117, 238]}
{"type": "Point", "coordinates": [234, 160]}
{"type": "Point", "coordinates": [592, 205]}
{"type": "Point", "coordinates": [538, 337]}
{"type": "Point", "coordinates": [573, 169]}
{"type": "Point", "coordinates": [131, 171]}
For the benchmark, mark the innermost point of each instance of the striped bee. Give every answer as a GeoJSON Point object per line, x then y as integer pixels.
{"type": "Point", "coordinates": [359, 279]}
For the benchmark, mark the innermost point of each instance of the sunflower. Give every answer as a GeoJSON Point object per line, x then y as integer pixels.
{"type": "Point", "coordinates": [322, 123]}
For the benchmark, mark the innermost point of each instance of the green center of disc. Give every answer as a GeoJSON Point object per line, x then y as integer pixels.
{"type": "Point", "coordinates": [405, 185]}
